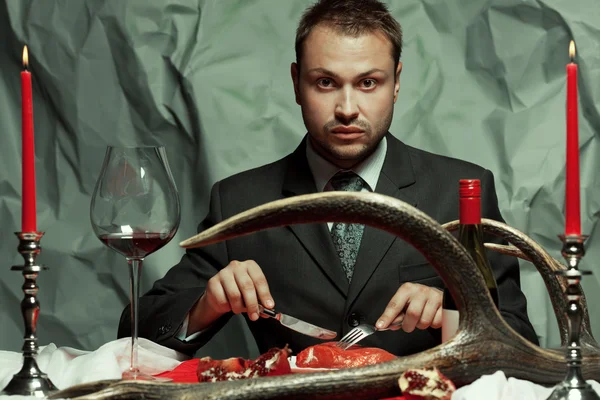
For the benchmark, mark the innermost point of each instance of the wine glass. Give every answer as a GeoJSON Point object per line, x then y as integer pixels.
{"type": "Point", "coordinates": [135, 211]}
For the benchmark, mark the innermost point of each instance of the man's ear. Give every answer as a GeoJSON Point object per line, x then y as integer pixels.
{"type": "Point", "coordinates": [397, 81]}
{"type": "Point", "coordinates": [295, 80]}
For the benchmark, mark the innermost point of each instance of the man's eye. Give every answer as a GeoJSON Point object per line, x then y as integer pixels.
{"type": "Point", "coordinates": [325, 82]}
{"type": "Point", "coordinates": [369, 83]}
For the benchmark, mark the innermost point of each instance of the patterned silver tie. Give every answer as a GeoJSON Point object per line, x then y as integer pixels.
{"type": "Point", "coordinates": [347, 237]}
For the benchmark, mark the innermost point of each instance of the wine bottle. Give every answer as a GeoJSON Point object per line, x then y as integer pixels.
{"type": "Point", "coordinates": [470, 235]}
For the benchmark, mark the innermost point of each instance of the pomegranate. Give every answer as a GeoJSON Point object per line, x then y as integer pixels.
{"type": "Point", "coordinates": [328, 355]}
{"type": "Point", "coordinates": [273, 362]}
{"type": "Point", "coordinates": [425, 384]}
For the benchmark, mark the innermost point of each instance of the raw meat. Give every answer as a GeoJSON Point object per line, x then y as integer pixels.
{"type": "Point", "coordinates": [328, 355]}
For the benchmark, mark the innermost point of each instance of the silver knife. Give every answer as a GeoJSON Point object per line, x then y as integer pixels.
{"type": "Point", "coordinates": [298, 325]}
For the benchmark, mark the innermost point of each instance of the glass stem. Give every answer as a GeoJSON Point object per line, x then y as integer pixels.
{"type": "Point", "coordinates": [135, 270]}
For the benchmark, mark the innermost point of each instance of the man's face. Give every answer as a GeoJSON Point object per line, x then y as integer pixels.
{"type": "Point", "coordinates": [346, 87]}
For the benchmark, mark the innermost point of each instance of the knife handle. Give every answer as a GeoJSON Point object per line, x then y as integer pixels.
{"type": "Point", "coordinates": [268, 312]}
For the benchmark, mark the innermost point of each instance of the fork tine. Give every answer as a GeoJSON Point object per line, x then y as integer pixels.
{"type": "Point", "coordinates": [350, 340]}
{"type": "Point", "coordinates": [350, 335]}
{"type": "Point", "coordinates": [355, 335]}
{"type": "Point", "coordinates": [354, 340]}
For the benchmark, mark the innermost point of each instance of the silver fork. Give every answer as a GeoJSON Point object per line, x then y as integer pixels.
{"type": "Point", "coordinates": [360, 332]}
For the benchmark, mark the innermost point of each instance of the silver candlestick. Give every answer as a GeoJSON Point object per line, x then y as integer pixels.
{"type": "Point", "coordinates": [573, 386]}
{"type": "Point", "coordinates": [30, 381]}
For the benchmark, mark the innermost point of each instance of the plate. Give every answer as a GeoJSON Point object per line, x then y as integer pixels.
{"type": "Point", "coordinates": [295, 369]}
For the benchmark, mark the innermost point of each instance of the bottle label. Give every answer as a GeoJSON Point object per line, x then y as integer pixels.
{"type": "Point", "coordinates": [450, 320]}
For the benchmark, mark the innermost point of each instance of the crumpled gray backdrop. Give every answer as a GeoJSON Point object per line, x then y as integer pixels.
{"type": "Point", "coordinates": [483, 80]}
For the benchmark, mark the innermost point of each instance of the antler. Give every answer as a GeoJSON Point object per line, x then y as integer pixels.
{"type": "Point", "coordinates": [484, 342]}
{"type": "Point", "coordinates": [527, 249]}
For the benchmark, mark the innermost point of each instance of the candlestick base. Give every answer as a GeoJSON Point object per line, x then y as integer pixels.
{"type": "Point", "coordinates": [573, 386]}
{"type": "Point", "coordinates": [30, 380]}
{"type": "Point", "coordinates": [562, 392]}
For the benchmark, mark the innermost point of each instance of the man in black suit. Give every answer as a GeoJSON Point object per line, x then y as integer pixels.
{"type": "Point", "coordinates": [346, 80]}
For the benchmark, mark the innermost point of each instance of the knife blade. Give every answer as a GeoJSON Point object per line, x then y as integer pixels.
{"type": "Point", "coordinates": [298, 325]}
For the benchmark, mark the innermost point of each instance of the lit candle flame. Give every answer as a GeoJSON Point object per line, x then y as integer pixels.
{"type": "Point", "coordinates": [572, 50]}
{"type": "Point", "coordinates": [25, 57]}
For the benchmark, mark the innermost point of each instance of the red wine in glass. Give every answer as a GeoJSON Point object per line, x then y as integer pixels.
{"type": "Point", "coordinates": [135, 245]}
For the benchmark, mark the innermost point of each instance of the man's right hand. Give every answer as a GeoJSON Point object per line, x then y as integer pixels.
{"type": "Point", "coordinates": [239, 287]}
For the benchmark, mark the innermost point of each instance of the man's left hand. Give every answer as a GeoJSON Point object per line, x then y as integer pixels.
{"type": "Point", "coordinates": [416, 305]}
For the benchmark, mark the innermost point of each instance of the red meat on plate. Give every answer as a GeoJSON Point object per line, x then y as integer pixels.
{"type": "Point", "coordinates": [328, 355]}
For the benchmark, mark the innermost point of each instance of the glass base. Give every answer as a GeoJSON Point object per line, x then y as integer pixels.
{"type": "Point", "coordinates": [136, 375]}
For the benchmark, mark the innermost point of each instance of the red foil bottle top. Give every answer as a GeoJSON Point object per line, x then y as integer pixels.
{"type": "Point", "coordinates": [469, 188]}
{"type": "Point", "coordinates": [470, 201]}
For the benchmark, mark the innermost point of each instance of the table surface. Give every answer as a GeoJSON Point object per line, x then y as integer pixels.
{"type": "Point", "coordinates": [67, 366]}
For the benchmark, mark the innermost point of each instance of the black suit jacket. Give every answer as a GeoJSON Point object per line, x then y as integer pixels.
{"type": "Point", "coordinates": [304, 273]}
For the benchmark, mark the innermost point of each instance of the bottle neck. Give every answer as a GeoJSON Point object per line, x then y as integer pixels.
{"type": "Point", "coordinates": [470, 210]}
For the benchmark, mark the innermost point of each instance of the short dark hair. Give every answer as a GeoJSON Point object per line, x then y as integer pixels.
{"type": "Point", "coordinates": [352, 18]}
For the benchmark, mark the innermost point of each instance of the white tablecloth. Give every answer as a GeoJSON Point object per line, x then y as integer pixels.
{"type": "Point", "coordinates": [67, 366]}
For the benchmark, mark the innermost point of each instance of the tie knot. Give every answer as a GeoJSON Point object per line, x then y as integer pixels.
{"type": "Point", "coordinates": [347, 181]}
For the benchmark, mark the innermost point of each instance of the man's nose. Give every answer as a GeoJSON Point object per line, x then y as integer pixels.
{"type": "Point", "coordinates": [346, 108]}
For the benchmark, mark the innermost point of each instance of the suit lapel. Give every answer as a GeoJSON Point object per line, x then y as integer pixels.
{"type": "Point", "coordinates": [397, 179]}
{"type": "Point", "coordinates": [315, 238]}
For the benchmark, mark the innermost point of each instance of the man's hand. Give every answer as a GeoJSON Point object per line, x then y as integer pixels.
{"type": "Point", "coordinates": [415, 305]}
{"type": "Point", "coordinates": [239, 287]}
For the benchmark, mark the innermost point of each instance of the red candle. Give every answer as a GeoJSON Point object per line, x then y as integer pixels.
{"type": "Point", "coordinates": [573, 216]}
{"type": "Point", "coordinates": [28, 215]}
